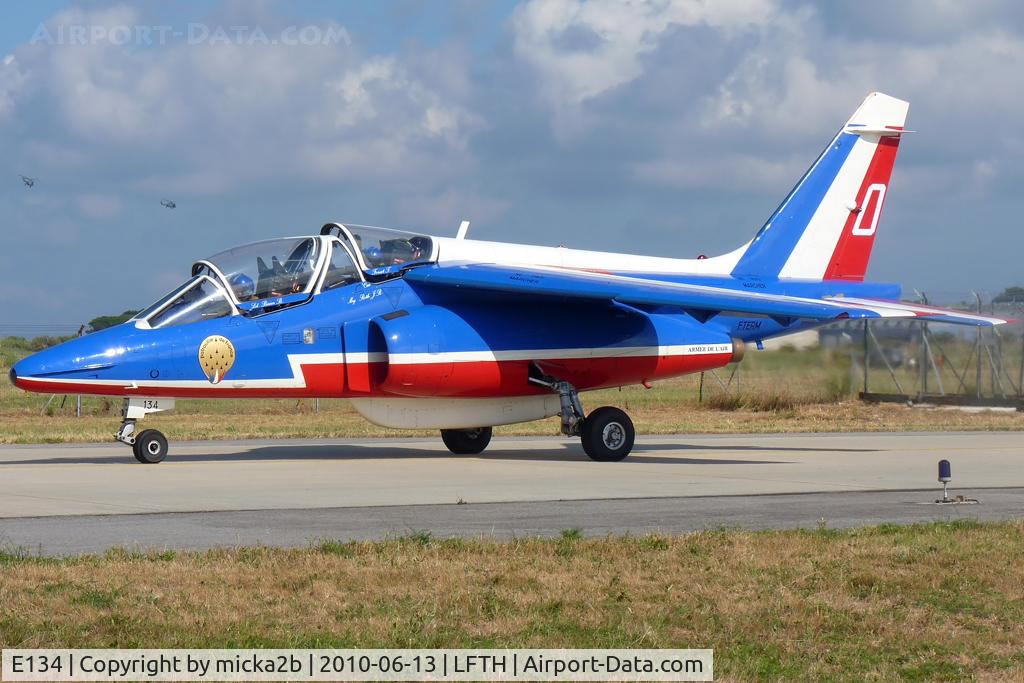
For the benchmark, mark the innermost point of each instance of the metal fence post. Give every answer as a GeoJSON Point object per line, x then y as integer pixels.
{"type": "Point", "coordinates": [1020, 378]}
{"type": "Point", "coordinates": [923, 381]}
{"type": "Point", "coordinates": [867, 356]}
{"type": "Point", "coordinates": [977, 377]}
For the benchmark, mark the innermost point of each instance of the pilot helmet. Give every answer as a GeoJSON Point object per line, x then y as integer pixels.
{"type": "Point", "coordinates": [373, 253]}
{"type": "Point", "coordinates": [243, 285]}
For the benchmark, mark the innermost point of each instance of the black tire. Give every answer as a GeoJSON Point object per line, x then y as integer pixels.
{"type": "Point", "coordinates": [466, 441]}
{"type": "Point", "coordinates": [608, 434]}
{"type": "Point", "coordinates": [150, 447]}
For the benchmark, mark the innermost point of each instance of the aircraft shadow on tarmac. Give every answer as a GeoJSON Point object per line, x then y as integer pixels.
{"type": "Point", "coordinates": [569, 452]}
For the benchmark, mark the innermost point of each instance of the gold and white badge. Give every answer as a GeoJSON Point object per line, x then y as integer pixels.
{"type": "Point", "coordinates": [216, 356]}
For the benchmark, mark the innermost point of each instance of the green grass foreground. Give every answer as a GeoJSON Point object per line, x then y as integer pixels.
{"type": "Point", "coordinates": [927, 602]}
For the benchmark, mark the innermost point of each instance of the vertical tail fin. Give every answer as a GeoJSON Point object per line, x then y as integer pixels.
{"type": "Point", "coordinates": [825, 228]}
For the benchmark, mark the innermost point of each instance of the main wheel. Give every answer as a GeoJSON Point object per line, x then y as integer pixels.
{"type": "Point", "coordinates": [608, 434]}
{"type": "Point", "coordinates": [466, 441]}
{"type": "Point", "coordinates": [150, 447]}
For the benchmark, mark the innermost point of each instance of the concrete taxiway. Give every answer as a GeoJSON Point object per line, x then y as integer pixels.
{"type": "Point", "coordinates": [83, 498]}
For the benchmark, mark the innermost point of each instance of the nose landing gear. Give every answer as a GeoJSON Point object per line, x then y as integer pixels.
{"type": "Point", "coordinates": [150, 445]}
{"type": "Point", "coordinates": [607, 433]}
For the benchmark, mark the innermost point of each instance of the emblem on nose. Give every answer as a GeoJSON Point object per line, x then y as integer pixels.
{"type": "Point", "coordinates": [216, 356]}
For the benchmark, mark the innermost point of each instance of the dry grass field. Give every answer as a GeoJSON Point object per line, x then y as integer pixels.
{"type": "Point", "coordinates": [777, 391]}
{"type": "Point", "coordinates": [936, 602]}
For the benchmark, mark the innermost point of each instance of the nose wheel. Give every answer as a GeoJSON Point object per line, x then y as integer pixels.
{"type": "Point", "coordinates": [150, 447]}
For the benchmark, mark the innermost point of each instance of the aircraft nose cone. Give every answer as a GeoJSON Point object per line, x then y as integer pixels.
{"type": "Point", "coordinates": [20, 370]}
{"type": "Point", "coordinates": [27, 367]}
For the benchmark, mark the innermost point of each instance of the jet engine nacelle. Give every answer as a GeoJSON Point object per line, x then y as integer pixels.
{"type": "Point", "coordinates": [432, 351]}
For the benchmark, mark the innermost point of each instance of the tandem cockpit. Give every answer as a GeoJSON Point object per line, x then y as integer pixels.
{"type": "Point", "coordinates": [266, 276]}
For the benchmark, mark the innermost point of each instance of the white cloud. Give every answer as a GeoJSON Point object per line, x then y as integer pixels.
{"type": "Point", "coordinates": [774, 83]}
{"type": "Point", "coordinates": [445, 210]}
{"type": "Point", "coordinates": [12, 79]}
{"type": "Point", "coordinates": [774, 77]}
{"type": "Point", "coordinates": [583, 49]}
{"type": "Point", "coordinates": [216, 117]}
{"type": "Point", "coordinates": [728, 170]}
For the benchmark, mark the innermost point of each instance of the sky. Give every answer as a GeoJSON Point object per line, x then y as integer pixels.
{"type": "Point", "coordinates": [669, 127]}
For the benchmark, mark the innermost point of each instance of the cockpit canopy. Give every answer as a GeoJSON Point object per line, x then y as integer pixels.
{"type": "Point", "coordinates": [382, 250]}
{"type": "Point", "coordinates": [265, 276]}
{"type": "Point", "coordinates": [263, 270]}
{"type": "Point", "coordinates": [201, 298]}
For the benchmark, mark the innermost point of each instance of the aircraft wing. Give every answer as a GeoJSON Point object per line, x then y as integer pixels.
{"type": "Point", "coordinates": [701, 300]}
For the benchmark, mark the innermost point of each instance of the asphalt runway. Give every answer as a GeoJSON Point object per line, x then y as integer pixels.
{"type": "Point", "coordinates": [58, 499]}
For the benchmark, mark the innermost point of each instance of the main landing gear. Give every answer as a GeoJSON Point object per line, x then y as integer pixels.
{"type": "Point", "coordinates": [607, 433]}
{"type": "Point", "coordinates": [466, 441]}
{"type": "Point", "coordinates": [149, 445]}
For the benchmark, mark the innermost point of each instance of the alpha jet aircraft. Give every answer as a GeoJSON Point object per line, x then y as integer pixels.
{"type": "Point", "coordinates": [459, 335]}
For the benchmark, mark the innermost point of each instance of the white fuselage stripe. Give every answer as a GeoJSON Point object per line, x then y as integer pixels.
{"type": "Point", "coordinates": [457, 251]}
{"type": "Point", "coordinates": [560, 354]}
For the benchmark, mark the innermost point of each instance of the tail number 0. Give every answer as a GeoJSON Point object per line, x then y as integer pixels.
{"type": "Point", "coordinates": [875, 192]}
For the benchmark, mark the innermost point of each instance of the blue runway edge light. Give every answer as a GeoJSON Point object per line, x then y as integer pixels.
{"type": "Point", "coordinates": [945, 471]}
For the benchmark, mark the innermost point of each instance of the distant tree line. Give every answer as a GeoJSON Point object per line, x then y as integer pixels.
{"type": "Point", "coordinates": [1010, 295]}
{"type": "Point", "coordinates": [105, 321]}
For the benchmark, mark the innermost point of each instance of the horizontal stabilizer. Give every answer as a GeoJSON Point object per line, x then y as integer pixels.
{"type": "Point", "coordinates": [888, 131]}
{"type": "Point", "coordinates": [931, 313]}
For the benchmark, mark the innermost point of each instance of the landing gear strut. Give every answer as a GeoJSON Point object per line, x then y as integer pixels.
{"type": "Point", "coordinates": [572, 410]}
{"type": "Point", "coordinates": [149, 445]}
{"type": "Point", "coordinates": [607, 433]}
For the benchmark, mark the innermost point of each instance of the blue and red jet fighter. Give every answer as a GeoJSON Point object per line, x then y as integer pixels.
{"type": "Point", "coordinates": [461, 335]}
